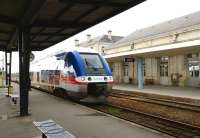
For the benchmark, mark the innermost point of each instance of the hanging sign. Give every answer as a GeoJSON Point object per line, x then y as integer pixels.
{"type": "Point", "coordinates": [129, 59]}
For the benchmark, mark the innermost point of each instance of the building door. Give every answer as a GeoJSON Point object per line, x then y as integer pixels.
{"type": "Point", "coordinates": [126, 73]}
{"type": "Point", "coordinates": [193, 74]}
{"type": "Point", "coordinates": [164, 63]}
{"type": "Point", "coordinates": [193, 70]}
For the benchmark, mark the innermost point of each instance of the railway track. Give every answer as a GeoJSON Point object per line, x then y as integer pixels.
{"type": "Point", "coordinates": [155, 122]}
{"type": "Point", "coordinates": [167, 126]}
{"type": "Point", "coordinates": [166, 102]}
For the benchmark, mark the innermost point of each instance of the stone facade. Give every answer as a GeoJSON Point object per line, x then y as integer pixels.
{"type": "Point", "coordinates": [182, 67]}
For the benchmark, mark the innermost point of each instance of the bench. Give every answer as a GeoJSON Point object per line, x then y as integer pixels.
{"type": "Point", "coordinates": [50, 129]}
{"type": "Point", "coordinates": [14, 98]}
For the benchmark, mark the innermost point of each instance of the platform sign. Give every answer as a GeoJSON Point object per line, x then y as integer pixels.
{"type": "Point", "coordinates": [128, 59]}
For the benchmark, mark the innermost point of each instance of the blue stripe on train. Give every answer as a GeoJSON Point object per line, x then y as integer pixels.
{"type": "Point", "coordinates": [106, 66]}
{"type": "Point", "coordinates": [77, 63]}
{"type": "Point", "coordinates": [79, 67]}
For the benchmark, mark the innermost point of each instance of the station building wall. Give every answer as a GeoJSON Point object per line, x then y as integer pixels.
{"type": "Point", "coordinates": [151, 70]}
{"type": "Point", "coordinates": [178, 63]}
{"type": "Point", "coordinates": [183, 35]}
{"type": "Point", "coordinates": [117, 72]}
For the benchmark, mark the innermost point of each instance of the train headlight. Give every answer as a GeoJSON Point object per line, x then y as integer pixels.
{"type": "Point", "coordinates": [82, 78]}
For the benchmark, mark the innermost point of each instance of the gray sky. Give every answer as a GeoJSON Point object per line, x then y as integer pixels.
{"type": "Point", "coordinates": [146, 14]}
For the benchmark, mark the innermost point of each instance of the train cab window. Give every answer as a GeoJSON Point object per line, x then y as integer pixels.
{"type": "Point", "coordinates": [92, 63]}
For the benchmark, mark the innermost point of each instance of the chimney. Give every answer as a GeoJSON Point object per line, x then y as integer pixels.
{"type": "Point", "coordinates": [76, 42]}
{"type": "Point", "coordinates": [110, 34]}
{"type": "Point", "coordinates": [88, 37]}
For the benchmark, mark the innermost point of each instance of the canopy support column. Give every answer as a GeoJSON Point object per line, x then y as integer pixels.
{"type": "Point", "coordinates": [24, 58]}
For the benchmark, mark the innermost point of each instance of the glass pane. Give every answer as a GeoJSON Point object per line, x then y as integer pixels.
{"type": "Point", "coordinates": [164, 66]}
{"type": "Point", "coordinates": [196, 73]}
{"type": "Point", "coordinates": [92, 61]}
{"type": "Point", "coordinates": [193, 70]}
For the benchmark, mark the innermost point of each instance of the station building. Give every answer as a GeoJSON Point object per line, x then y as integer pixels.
{"type": "Point", "coordinates": [170, 53]}
{"type": "Point", "coordinates": [99, 43]}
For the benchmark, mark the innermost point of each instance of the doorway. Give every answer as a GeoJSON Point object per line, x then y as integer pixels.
{"type": "Point", "coordinates": [193, 74]}
{"type": "Point", "coordinates": [164, 63]}
{"type": "Point", "coordinates": [193, 69]}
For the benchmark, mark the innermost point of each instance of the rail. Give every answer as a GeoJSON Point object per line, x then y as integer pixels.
{"type": "Point", "coordinates": [167, 102]}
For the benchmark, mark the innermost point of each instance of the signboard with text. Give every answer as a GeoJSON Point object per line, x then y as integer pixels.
{"type": "Point", "coordinates": [129, 59]}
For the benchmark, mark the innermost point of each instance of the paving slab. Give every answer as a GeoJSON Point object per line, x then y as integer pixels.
{"type": "Point", "coordinates": [79, 120]}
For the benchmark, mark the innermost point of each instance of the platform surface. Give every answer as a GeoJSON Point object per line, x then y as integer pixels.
{"type": "Point", "coordinates": [185, 92]}
{"type": "Point", "coordinates": [79, 120]}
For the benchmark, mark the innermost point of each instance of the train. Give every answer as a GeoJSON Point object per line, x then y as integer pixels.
{"type": "Point", "coordinates": [80, 73]}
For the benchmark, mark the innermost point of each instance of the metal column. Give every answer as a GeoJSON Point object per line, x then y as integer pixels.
{"type": "Point", "coordinates": [6, 69]}
{"type": "Point", "coordinates": [140, 73]}
{"type": "Point", "coordinates": [8, 57]}
{"type": "Point", "coordinates": [24, 58]}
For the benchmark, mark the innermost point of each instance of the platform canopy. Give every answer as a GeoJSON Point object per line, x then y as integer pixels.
{"type": "Point", "coordinates": [52, 21]}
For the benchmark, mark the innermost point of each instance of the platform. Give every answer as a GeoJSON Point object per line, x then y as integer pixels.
{"type": "Point", "coordinates": [79, 120]}
{"type": "Point", "coordinates": [184, 92]}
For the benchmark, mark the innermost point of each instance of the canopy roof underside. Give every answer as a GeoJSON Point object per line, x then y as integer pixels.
{"type": "Point", "coordinates": [52, 21]}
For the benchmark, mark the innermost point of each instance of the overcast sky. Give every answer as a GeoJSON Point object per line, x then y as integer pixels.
{"type": "Point", "coordinates": [148, 13]}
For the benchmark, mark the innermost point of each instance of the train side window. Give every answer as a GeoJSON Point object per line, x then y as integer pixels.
{"type": "Point", "coordinates": [66, 62]}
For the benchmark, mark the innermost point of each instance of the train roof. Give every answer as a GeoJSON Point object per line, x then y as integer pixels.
{"type": "Point", "coordinates": [78, 49]}
{"type": "Point", "coordinates": [55, 58]}
{"type": "Point", "coordinates": [64, 51]}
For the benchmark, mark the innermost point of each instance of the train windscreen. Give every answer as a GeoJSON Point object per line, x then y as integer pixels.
{"type": "Point", "coordinates": [93, 64]}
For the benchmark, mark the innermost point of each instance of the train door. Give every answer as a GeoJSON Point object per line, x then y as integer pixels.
{"type": "Point", "coordinates": [164, 63]}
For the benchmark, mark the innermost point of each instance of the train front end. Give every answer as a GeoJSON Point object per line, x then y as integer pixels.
{"type": "Point", "coordinates": [93, 77]}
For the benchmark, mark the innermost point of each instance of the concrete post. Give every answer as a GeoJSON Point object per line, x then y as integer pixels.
{"type": "Point", "coordinates": [140, 73]}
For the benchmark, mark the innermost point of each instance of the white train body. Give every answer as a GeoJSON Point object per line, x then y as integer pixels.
{"type": "Point", "coordinates": [81, 73]}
